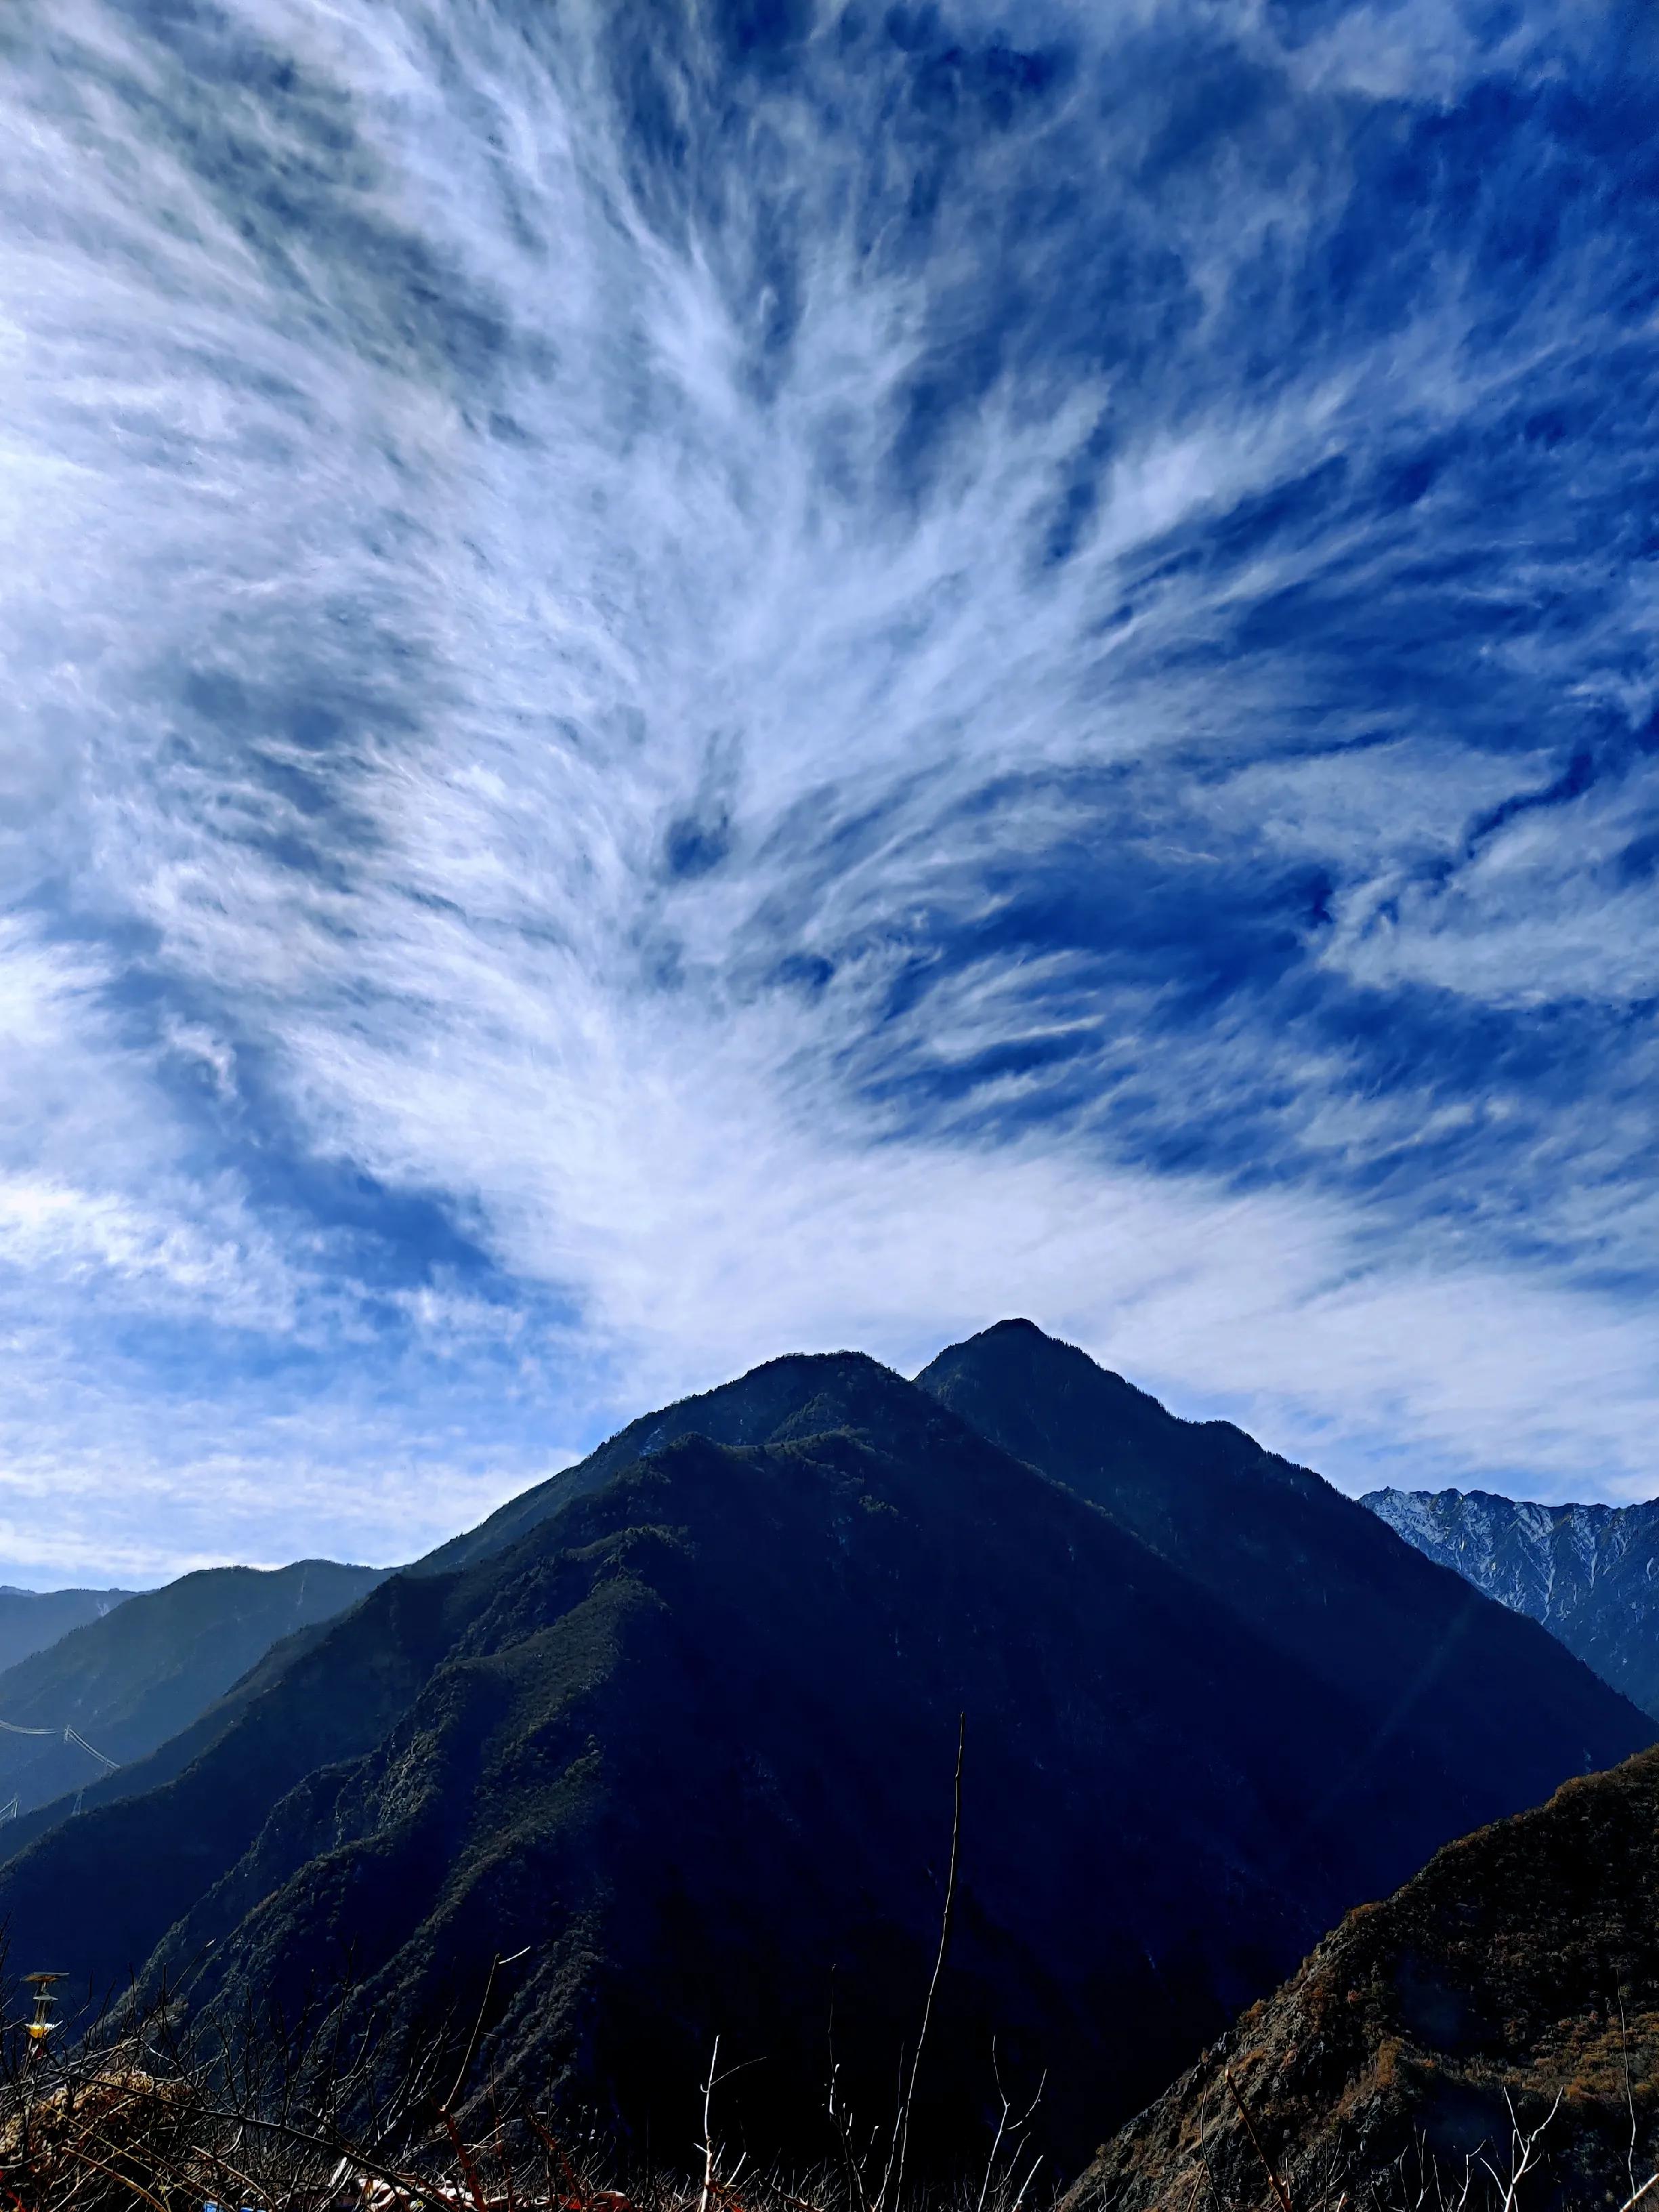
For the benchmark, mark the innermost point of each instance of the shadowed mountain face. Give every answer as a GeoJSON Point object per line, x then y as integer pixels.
{"type": "Point", "coordinates": [1451, 1689]}
{"type": "Point", "coordinates": [748, 1411]}
{"type": "Point", "coordinates": [1522, 1964]}
{"type": "Point", "coordinates": [128, 1681]}
{"type": "Point", "coordinates": [31, 1619]}
{"type": "Point", "coordinates": [686, 1741]}
{"type": "Point", "coordinates": [1589, 1573]}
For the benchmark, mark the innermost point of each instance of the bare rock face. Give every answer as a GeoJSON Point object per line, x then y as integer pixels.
{"type": "Point", "coordinates": [1589, 1573]}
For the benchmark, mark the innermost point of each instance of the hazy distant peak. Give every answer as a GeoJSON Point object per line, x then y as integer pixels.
{"type": "Point", "coordinates": [30, 1620]}
{"type": "Point", "coordinates": [129, 1676]}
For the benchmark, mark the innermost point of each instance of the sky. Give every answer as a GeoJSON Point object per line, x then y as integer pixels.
{"type": "Point", "coordinates": [691, 680]}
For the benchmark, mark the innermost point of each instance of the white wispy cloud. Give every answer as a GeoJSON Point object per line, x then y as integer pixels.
{"type": "Point", "coordinates": [502, 712]}
{"type": "Point", "coordinates": [1542, 911]}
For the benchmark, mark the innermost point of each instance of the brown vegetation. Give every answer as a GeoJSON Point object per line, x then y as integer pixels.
{"type": "Point", "coordinates": [141, 2108]}
{"type": "Point", "coordinates": [1488, 2034]}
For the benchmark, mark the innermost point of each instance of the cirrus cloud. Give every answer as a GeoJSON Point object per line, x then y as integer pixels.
{"type": "Point", "coordinates": [798, 680]}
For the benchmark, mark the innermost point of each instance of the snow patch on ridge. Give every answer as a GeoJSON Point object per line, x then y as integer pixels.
{"type": "Point", "coordinates": [1588, 1573]}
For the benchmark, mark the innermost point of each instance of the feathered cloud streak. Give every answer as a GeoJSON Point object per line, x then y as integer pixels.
{"type": "Point", "coordinates": [777, 678]}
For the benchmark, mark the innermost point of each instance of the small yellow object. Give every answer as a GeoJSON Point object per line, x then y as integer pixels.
{"type": "Point", "coordinates": [41, 2026]}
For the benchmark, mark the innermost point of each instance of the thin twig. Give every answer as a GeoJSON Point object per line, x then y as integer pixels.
{"type": "Point", "coordinates": [1280, 2190]}
{"type": "Point", "coordinates": [938, 1969]}
{"type": "Point", "coordinates": [708, 2137]}
{"type": "Point", "coordinates": [339, 2147]}
{"type": "Point", "coordinates": [478, 2030]}
{"type": "Point", "coordinates": [1630, 2102]}
{"type": "Point", "coordinates": [468, 2170]}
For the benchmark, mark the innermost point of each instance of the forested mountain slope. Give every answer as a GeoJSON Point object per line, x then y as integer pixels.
{"type": "Point", "coordinates": [31, 1619]}
{"type": "Point", "coordinates": [129, 1680]}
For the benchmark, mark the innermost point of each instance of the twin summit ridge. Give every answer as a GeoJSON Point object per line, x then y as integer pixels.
{"type": "Point", "coordinates": [674, 1733]}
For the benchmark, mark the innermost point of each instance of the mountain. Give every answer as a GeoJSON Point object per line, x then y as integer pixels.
{"type": "Point", "coordinates": [127, 1681]}
{"type": "Point", "coordinates": [1589, 1573]}
{"type": "Point", "coordinates": [149, 1772]}
{"type": "Point", "coordinates": [1521, 1966]}
{"type": "Point", "coordinates": [679, 1751]}
{"type": "Point", "coordinates": [1430, 1666]}
{"type": "Point", "coordinates": [748, 1411]}
{"type": "Point", "coordinates": [30, 1619]}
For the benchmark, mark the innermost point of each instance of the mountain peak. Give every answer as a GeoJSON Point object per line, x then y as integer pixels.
{"type": "Point", "coordinates": [1025, 1375]}
{"type": "Point", "coordinates": [1016, 1329]}
{"type": "Point", "coordinates": [1589, 1573]}
{"type": "Point", "coordinates": [1242, 1522]}
{"type": "Point", "coordinates": [797, 1394]}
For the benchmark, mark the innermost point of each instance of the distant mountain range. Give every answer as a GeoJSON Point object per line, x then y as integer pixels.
{"type": "Point", "coordinates": [678, 1727]}
{"type": "Point", "coordinates": [128, 1681]}
{"type": "Point", "coordinates": [1520, 1968]}
{"type": "Point", "coordinates": [1589, 1573]}
{"type": "Point", "coordinates": [31, 1619]}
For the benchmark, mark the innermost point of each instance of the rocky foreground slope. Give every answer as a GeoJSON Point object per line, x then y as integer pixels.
{"type": "Point", "coordinates": [1589, 1573]}
{"type": "Point", "coordinates": [1511, 1990]}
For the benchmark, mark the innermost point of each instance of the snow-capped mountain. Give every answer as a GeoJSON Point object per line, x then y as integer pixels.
{"type": "Point", "coordinates": [1589, 1573]}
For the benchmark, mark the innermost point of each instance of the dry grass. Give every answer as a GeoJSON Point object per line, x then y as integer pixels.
{"type": "Point", "coordinates": [139, 2108]}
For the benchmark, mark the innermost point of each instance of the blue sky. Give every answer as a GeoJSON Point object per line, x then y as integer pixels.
{"type": "Point", "coordinates": [690, 682]}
